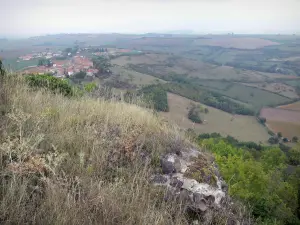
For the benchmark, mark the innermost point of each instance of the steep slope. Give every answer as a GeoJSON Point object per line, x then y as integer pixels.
{"type": "Point", "coordinates": [85, 161]}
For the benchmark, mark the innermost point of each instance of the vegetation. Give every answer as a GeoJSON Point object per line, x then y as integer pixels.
{"type": "Point", "coordinates": [194, 114]}
{"type": "Point", "coordinates": [208, 98]}
{"type": "Point", "coordinates": [80, 75]}
{"type": "Point", "coordinates": [54, 84]}
{"type": "Point", "coordinates": [76, 161]}
{"type": "Point", "coordinates": [44, 62]}
{"type": "Point", "coordinates": [102, 65]}
{"type": "Point", "coordinates": [260, 179]}
{"type": "Point", "coordinates": [156, 95]}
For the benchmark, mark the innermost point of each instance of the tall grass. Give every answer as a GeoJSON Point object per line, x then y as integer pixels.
{"type": "Point", "coordinates": [80, 161]}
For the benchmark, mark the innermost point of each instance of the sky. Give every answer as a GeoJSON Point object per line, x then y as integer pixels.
{"type": "Point", "coordinates": [39, 17]}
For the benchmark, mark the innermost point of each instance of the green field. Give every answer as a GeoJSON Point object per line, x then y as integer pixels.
{"type": "Point", "coordinates": [250, 95]}
{"type": "Point", "coordinates": [14, 65]}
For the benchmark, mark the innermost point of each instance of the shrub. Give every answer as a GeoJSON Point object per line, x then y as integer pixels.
{"type": "Point", "coordinates": [49, 82]}
{"type": "Point", "coordinates": [295, 139]}
{"type": "Point", "coordinates": [273, 140]}
{"type": "Point", "coordinates": [156, 95]}
{"type": "Point", "coordinates": [194, 114]}
{"type": "Point", "coordinates": [262, 120]}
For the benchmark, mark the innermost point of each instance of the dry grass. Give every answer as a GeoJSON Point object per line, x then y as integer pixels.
{"type": "Point", "coordinates": [85, 161]}
{"type": "Point", "coordinates": [80, 161]}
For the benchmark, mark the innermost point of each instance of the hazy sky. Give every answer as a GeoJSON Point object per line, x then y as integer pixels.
{"type": "Point", "coordinates": [35, 17]}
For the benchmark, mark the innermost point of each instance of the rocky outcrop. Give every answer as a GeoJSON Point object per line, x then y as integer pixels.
{"type": "Point", "coordinates": [191, 177]}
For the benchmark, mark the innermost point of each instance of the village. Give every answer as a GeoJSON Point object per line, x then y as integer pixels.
{"type": "Point", "coordinates": [70, 61]}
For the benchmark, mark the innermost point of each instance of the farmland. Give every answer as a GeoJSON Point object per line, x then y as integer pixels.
{"type": "Point", "coordinates": [283, 120]}
{"type": "Point", "coordinates": [232, 42]}
{"type": "Point", "coordinates": [243, 128]}
{"type": "Point", "coordinates": [238, 74]}
{"type": "Point", "coordinates": [294, 106]}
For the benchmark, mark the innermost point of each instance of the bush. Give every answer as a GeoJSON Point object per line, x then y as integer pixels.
{"type": "Point", "coordinates": [295, 139]}
{"type": "Point", "coordinates": [194, 114]}
{"type": "Point", "coordinates": [49, 82]}
{"type": "Point", "coordinates": [273, 140]}
{"type": "Point", "coordinates": [260, 182]}
{"type": "Point", "coordinates": [262, 120]}
{"type": "Point", "coordinates": [156, 95]}
{"type": "Point", "coordinates": [285, 140]}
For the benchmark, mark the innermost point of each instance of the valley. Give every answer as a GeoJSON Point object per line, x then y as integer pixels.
{"type": "Point", "coordinates": [233, 76]}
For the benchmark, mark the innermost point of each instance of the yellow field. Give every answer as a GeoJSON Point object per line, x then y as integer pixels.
{"type": "Point", "coordinates": [244, 128]}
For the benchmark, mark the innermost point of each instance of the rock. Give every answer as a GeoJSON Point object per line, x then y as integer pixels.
{"type": "Point", "coordinates": [195, 222]}
{"type": "Point", "coordinates": [200, 202]}
{"type": "Point", "coordinates": [177, 165]}
{"type": "Point", "coordinates": [184, 196]}
{"type": "Point", "coordinates": [224, 186]}
{"type": "Point", "coordinates": [174, 182]}
{"type": "Point", "coordinates": [167, 167]}
{"type": "Point", "coordinates": [170, 164]}
{"type": "Point", "coordinates": [210, 199]}
{"type": "Point", "coordinates": [159, 179]}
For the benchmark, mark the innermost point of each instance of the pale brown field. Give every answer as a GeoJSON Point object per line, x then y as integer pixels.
{"type": "Point", "coordinates": [135, 77]}
{"type": "Point", "coordinates": [277, 114]}
{"type": "Point", "coordinates": [287, 129]}
{"type": "Point", "coordinates": [232, 42]}
{"type": "Point", "coordinates": [294, 106]}
{"type": "Point", "coordinates": [244, 128]}
{"type": "Point", "coordinates": [138, 59]}
{"type": "Point", "coordinates": [282, 120]}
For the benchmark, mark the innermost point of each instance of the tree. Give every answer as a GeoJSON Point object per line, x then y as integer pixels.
{"type": "Point", "coordinates": [262, 120]}
{"type": "Point", "coordinates": [295, 139]}
{"type": "Point", "coordinates": [273, 140]}
{"type": "Point", "coordinates": [285, 140]}
{"type": "Point", "coordinates": [80, 75]}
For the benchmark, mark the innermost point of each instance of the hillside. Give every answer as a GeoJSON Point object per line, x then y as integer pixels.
{"type": "Point", "coordinates": [79, 160]}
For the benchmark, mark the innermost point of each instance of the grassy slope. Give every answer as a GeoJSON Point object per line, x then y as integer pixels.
{"type": "Point", "coordinates": [74, 161]}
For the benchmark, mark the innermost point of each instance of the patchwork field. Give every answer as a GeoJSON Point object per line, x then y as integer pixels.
{"type": "Point", "coordinates": [162, 65]}
{"type": "Point", "coordinates": [232, 42]}
{"type": "Point", "coordinates": [245, 128]}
